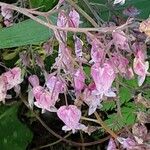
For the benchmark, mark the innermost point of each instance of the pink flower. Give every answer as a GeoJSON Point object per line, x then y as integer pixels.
{"type": "Point", "coordinates": [92, 100]}
{"type": "Point", "coordinates": [121, 65]}
{"type": "Point", "coordinates": [111, 145]}
{"type": "Point", "coordinates": [62, 21]}
{"type": "Point", "coordinates": [13, 77]}
{"type": "Point", "coordinates": [74, 18]}
{"type": "Point", "coordinates": [78, 47]}
{"type": "Point", "coordinates": [64, 59]}
{"type": "Point", "coordinates": [8, 15]}
{"type": "Point", "coordinates": [140, 66]}
{"type": "Point", "coordinates": [103, 77]}
{"type": "Point", "coordinates": [55, 85]}
{"type": "Point", "coordinates": [120, 40]}
{"type": "Point", "coordinates": [34, 80]}
{"type": "Point", "coordinates": [79, 79]}
{"type": "Point", "coordinates": [70, 115]}
{"type": "Point", "coordinates": [3, 89]}
{"type": "Point", "coordinates": [127, 143]}
{"type": "Point", "coordinates": [97, 51]}
{"type": "Point", "coordinates": [43, 98]}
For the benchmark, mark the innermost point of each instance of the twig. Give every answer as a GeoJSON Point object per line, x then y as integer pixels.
{"type": "Point", "coordinates": [104, 126]}
{"type": "Point", "coordinates": [54, 27]}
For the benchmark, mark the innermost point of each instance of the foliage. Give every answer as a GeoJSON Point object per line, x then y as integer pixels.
{"type": "Point", "coordinates": [13, 132]}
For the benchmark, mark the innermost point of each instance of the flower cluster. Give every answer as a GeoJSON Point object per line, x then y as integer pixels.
{"type": "Point", "coordinates": [8, 80]}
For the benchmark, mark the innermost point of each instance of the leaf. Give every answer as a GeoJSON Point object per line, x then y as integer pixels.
{"type": "Point", "coordinates": [44, 5]}
{"type": "Point", "coordinates": [108, 105]}
{"type": "Point", "coordinates": [9, 56]}
{"type": "Point", "coordinates": [14, 134]}
{"type": "Point", "coordinates": [24, 33]}
{"type": "Point", "coordinates": [124, 95]}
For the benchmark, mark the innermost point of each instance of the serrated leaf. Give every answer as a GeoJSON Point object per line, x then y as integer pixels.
{"type": "Point", "coordinates": [108, 105]}
{"type": "Point", "coordinates": [14, 134]}
{"type": "Point", "coordinates": [124, 95]}
{"type": "Point", "coordinates": [24, 33]}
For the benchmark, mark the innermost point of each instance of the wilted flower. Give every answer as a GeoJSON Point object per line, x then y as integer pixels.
{"type": "Point", "coordinates": [48, 47]}
{"type": "Point", "coordinates": [25, 58]}
{"type": "Point", "coordinates": [79, 79]}
{"type": "Point", "coordinates": [111, 145]}
{"type": "Point", "coordinates": [74, 19]}
{"type": "Point", "coordinates": [62, 21]}
{"type": "Point", "coordinates": [120, 40]}
{"type": "Point", "coordinates": [139, 130]}
{"type": "Point", "coordinates": [78, 47]}
{"type": "Point", "coordinates": [8, 15]}
{"type": "Point", "coordinates": [34, 80]}
{"type": "Point", "coordinates": [127, 143]}
{"type": "Point", "coordinates": [92, 100]}
{"type": "Point", "coordinates": [140, 66]}
{"type": "Point", "coordinates": [131, 11]}
{"type": "Point", "coordinates": [70, 115]}
{"type": "Point", "coordinates": [3, 89]}
{"type": "Point", "coordinates": [97, 51]}
{"type": "Point", "coordinates": [103, 77]}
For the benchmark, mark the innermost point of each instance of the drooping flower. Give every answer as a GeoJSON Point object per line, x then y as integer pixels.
{"type": "Point", "coordinates": [8, 15]}
{"type": "Point", "coordinates": [64, 59]}
{"type": "Point", "coordinates": [43, 99]}
{"type": "Point", "coordinates": [121, 65]}
{"type": "Point", "coordinates": [121, 2]}
{"type": "Point", "coordinates": [79, 79]}
{"type": "Point", "coordinates": [34, 80]}
{"type": "Point", "coordinates": [78, 47]}
{"type": "Point", "coordinates": [3, 89]}
{"type": "Point", "coordinates": [13, 77]}
{"type": "Point", "coordinates": [55, 85]}
{"type": "Point", "coordinates": [74, 19]}
{"type": "Point", "coordinates": [120, 40]}
{"type": "Point", "coordinates": [92, 100]}
{"type": "Point", "coordinates": [62, 21]}
{"type": "Point", "coordinates": [140, 66]}
{"type": "Point", "coordinates": [97, 51]}
{"type": "Point", "coordinates": [103, 77]}
{"type": "Point", "coordinates": [111, 145]}
{"type": "Point", "coordinates": [70, 115]}
{"type": "Point", "coordinates": [127, 143]}
{"type": "Point", "coordinates": [131, 11]}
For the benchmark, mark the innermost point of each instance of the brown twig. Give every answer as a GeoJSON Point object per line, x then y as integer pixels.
{"type": "Point", "coordinates": [54, 27]}
{"type": "Point", "coordinates": [104, 126]}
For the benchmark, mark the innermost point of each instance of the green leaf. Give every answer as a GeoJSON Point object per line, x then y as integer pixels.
{"type": "Point", "coordinates": [24, 33]}
{"type": "Point", "coordinates": [124, 95]}
{"type": "Point", "coordinates": [14, 134]}
{"type": "Point", "coordinates": [44, 5]}
{"type": "Point", "coordinates": [108, 105]}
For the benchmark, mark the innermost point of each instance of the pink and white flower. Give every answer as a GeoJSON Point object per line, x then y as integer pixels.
{"type": "Point", "coordinates": [120, 40]}
{"type": "Point", "coordinates": [111, 145]}
{"type": "Point", "coordinates": [140, 66]}
{"type": "Point", "coordinates": [92, 100]}
{"type": "Point", "coordinates": [70, 115]}
{"type": "Point", "coordinates": [74, 19]}
{"type": "Point", "coordinates": [13, 77]}
{"type": "Point", "coordinates": [79, 80]}
{"type": "Point", "coordinates": [103, 77]}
